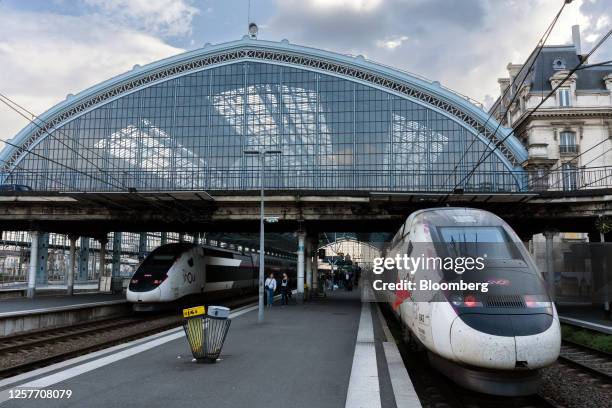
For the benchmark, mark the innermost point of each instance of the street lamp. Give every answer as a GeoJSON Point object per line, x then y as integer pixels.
{"type": "Point", "coordinates": [261, 154]}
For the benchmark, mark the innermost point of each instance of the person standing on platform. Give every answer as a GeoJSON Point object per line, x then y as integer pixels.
{"type": "Point", "coordinates": [284, 289]}
{"type": "Point", "coordinates": [270, 285]}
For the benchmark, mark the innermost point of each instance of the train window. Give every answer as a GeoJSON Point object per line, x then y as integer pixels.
{"type": "Point", "coordinates": [190, 262]}
{"type": "Point", "coordinates": [476, 241]}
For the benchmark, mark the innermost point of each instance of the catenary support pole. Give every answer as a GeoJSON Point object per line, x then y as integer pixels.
{"type": "Point", "coordinates": [262, 249]}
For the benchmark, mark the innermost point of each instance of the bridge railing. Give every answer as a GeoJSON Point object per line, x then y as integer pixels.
{"type": "Point", "coordinates": [317, 179]}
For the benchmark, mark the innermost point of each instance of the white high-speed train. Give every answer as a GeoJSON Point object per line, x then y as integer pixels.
{"type": "Point", "coordinates": [491, 342]}
{"type": "Point", "coordinates": [175, 273]}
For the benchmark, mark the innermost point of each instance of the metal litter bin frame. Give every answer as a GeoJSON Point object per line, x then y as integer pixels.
{"type": "Point", "coordinates": [206, 336]}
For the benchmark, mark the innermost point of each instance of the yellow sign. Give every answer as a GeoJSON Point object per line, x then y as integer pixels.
{"type": "Point", "coordinates": [193, 311]}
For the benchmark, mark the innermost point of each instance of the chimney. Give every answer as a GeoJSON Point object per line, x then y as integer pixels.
{"type": "Point", "coordinates": [576, 39]}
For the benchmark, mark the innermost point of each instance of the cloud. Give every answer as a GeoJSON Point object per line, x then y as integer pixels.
{"type": "Point", "coordinates": [355, 5]}
{"type": "Point", "coordinates": [45, 56]}
{"type": "Point", "coordinates": [391, 43]}
{"type": "Point", "coordinates": [164, 17]}
{"type": "Point", "coordinates": [465, 44]}
{"type": "Point", "coordinates": [598, 15]}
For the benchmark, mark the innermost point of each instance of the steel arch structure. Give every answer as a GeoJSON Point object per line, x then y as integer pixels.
{"type": "Point", "coordinates": [342, 123]}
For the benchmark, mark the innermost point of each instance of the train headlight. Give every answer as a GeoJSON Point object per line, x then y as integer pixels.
{"type": "Point", "coordinates": [535, 301]}
{"type": "Point", "coordinates": [456, 300]}
{"type": "Point", "coordinates": [465, 301]}
{"type": "Point", "coordinates": [471, 301]}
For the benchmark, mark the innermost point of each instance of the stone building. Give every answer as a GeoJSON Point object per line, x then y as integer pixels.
{"type": "Point", "coordinates": [569, 137]}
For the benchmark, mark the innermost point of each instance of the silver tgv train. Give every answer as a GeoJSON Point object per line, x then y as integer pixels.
{"type": "Point", "coordinates": [493, 342]}
{"type": "Point", "coordinates": [180, 272]}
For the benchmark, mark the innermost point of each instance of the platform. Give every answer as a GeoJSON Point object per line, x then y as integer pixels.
{"type": "Point", "coordinates": [13, 306]}
{"type": "Point", "coordinates": [52, 286]}
{"type": "Point", "coordinates": [327, 353]}
{"type": "Point", "coordinates": [588, 317]}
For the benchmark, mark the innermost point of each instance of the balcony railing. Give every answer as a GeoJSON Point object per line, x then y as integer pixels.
{"type": "Point", "coordinates": [317, 179]}
{"type": "Point", "coordinates": [568, 149]}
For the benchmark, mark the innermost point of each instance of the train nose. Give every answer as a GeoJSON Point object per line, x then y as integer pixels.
{"type": "Point", "coordinates": [144, 297]}
{"type": "Point", "coordinates": [504, 342]}
{"type": "Point", "coordinates": [474, 347]}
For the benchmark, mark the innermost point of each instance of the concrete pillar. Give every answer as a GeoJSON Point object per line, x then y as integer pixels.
{"type": "Point", "coordinates": [142, 246]}
{"type": "Point", "coordinates": [116, 265]}
{"type": "Point", "coordinates": [33, 264]}
{"type": "Point", "coordinates": [315, 263]}
{"type": "Point", "coordinates": [103, 242]}
{"type": "Point", "coordinates": [181, 237]}
{"type": "Point", "coordinates": [83, 267]}
{"type": "Point", "coordinates": [550, 263]}
{"type": "Point", "coordinates": [300, 267]}
{"type": "Point", "coordinates": [164, 238]}
{"type": "Point", "coordinates": [308, 254]}
{"type": "Point", "coordinates": [71, 265]}
{"type": "Point", "coordinates": [42, 278]}
{"type": "Point", "coordinates": [196, 237]}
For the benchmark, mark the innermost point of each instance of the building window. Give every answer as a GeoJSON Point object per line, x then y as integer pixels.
{"type": "Point", "coordinates": [569, 173]}
{"type": "Point", "coordinates": [564, 97]}
{"type": "Point", "coordinates": [567, 142]}
{"type": "Point", "coordinates": [558, 64]}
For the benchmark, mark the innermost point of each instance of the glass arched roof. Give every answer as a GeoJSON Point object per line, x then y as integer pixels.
{"type": "Point", "coordinates": [338, 122]}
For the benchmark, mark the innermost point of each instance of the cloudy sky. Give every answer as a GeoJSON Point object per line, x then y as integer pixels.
{"type": "Point", "coordinates": [49, 48]}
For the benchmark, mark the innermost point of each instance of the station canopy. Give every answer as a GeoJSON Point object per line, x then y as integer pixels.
{"type": "Point", "coordinates": [333, 122]}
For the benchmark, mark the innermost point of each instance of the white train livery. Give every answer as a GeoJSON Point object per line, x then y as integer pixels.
{"type": "Point", "coordinates": [493, 342]}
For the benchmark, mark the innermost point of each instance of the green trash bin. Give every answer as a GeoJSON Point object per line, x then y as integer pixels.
{"type": "Point", "coordinates": [206, 333]}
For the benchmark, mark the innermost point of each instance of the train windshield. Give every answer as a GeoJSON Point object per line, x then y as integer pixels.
{"type": "Point", "coordinates": [154, 269]}
{"type": "Point", "coordinates": [475, 241]}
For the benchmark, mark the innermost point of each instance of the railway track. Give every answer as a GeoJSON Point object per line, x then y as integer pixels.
{"type": "Point", "coordinates": [595, 362]}
{"type": "Point", "coordinates": [29, 351]}
{"type": "Point", "coordinates": [22, 353]}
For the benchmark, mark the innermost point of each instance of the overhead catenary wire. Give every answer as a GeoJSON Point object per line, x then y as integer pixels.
{"type": "Point", "coordinates": [34, 116]}
{"type": "Point", "coordinates": [15, 107]}
{"type": "Point", "coordinates": [533, 58]}
{"type": "Point", "coordinates": [598, 156]}
{"type": "Point", "coordinates": [552, 92]}
{"type": "Point", "coordinates": [54, 161]}
{"type": "Point", "coordinates": [58, 163]}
